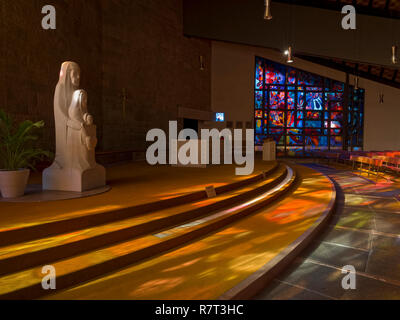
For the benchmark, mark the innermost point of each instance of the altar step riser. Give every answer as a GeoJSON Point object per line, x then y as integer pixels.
{"type": "Point", "coordinates": [97, 270]}
{"type": "Point", "coordinates": [46, 256]}
{"type": "Point", "coordinates": [70, 225]}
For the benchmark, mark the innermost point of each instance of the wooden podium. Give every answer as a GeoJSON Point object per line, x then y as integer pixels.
{"type": "Point", "coordinates": [269, 150]}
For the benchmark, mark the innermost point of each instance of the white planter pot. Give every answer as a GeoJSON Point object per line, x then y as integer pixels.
{"type": "Point", "coordinates": [13, 183]}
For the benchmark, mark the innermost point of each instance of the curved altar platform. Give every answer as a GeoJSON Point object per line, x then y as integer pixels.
{"type": "Point", "coordinates": [168, 240]}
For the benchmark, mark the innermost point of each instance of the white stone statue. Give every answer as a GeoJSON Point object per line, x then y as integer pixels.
{"type": "Point", "coordinates": [74, 167]}
{"type": "Point", "coordinates": [69, 82]}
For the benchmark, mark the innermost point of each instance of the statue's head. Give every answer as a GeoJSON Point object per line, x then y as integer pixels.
{"type": "Point", "coordinates": [70, 71]}
{"type": "Point", "coordinates": [88, 118]}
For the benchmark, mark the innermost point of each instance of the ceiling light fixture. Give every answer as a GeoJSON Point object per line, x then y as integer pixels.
{"type": "Point", "coordinates": [267, 13]}
{"type": "Point", "coordinates": [356, 82]}
{"type": "Point", "coordinates": [289, 54]}
{"type": "Point", "coordinates": [394, 54]}
{"type": "Point", "coordinates": [202, 65]}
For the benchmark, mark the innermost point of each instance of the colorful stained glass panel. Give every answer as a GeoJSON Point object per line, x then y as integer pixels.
{"type": "Point", "coordinates": [291, 76]}
{"type": "Point", "coordinates": [309, 79]}
{"type": "Point", "coordinates": [314, 101]}
{"type": "Point", "coordinates": [258, 126]}
{"type": "Point", "coordinates": [277, 118]}
{"type": "Point", "coordinates": [275, 73]}
{"type": "Point", "coordinates": [259, 74]}
{"type": "Point", "coordinates": [291, 100]}
{"type": "Point", "coordinates": [302, 111]}
{"type": "Point", "coordinates": [277, 99]}
{"type": "Point", "coordinates": [294, 140]}
{"type": "Point", "coordinates": [259, 99]}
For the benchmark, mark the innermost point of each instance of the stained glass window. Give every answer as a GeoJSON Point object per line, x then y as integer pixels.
{"type": "Point", "coordinates": [275, 73]}
{"type": "Point", "coordinates": [302, 111]}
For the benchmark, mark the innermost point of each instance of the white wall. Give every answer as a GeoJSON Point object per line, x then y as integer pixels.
{"type": "Point", "coordinates": [232, 92]}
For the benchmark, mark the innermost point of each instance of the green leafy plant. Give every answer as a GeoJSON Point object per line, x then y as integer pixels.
{"type": "Point", "coordinates": [17, 144]}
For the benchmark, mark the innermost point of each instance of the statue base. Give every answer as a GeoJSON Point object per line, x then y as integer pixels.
{"type": "Point", "coordinates": [35, 194]}
{"type": "Point", "coordinates": [73, 179]}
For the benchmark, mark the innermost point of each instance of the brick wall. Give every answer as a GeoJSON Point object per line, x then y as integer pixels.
{"type": "Point", "coordinates": [126, 48]}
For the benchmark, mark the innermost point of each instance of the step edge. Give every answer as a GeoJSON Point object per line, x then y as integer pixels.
{"type": "Point", "coordinates": [20, 235]}
{"type": "Point", "coordinates": [160, 224]}
{"type": "Point", "coordinates": [188, 238]}
{"type": "Point", "coordinates": [255, 283]}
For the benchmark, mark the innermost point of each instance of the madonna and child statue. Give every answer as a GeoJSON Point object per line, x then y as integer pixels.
{"type": "Point", "coordinates": [74, 168]}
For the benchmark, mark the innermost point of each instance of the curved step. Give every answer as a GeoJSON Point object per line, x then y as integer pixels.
{"type": "Point", "coordinates": [21, 256]}
{"type": "Point", "coordinates": [216, 263]}
{"type": "Point", "coordinates": [62, 226]}
{"type": "Point", "coordinates": [252, 285]}
{"type": "Point", "coordinates": [70, 272]}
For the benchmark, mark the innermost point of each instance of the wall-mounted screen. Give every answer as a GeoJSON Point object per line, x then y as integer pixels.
{"type": "Point", "coordinates": [220, 117]}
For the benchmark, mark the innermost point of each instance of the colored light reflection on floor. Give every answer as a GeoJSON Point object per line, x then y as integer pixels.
{"type": "Point", "coordinates": [132, 184]}
{"type": "Point", "coordinates": [364, 233]}
{"type": "Point", "coordinates": [209, 267]}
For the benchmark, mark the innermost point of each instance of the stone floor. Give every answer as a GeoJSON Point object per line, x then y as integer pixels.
{"type": "Point", "coordinates": [364, 233]}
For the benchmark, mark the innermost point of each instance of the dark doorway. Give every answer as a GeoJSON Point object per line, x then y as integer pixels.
{"type": "Point", "coordinates": [191, 124]}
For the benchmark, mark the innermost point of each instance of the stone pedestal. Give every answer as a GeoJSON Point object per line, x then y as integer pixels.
{"type": "Point", "coordinates": [73, 179]}
{"type": "Point", "coordinates": [269, 151]}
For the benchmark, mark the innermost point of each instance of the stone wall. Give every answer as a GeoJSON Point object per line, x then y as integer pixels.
{"type": "Point", "coordinates": [147, 60]}
{"type": "Point", "coordinates": [137, 66]}
{"type": "Point", "coordinates": [31, 57]}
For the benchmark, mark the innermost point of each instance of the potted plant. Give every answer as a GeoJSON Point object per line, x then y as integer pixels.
{"type": "Point", "coordinates": [18, 154]}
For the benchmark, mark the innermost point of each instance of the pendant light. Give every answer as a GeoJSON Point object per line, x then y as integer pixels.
{"type": "Point", "coordinates": [394, 54]}
{"type": "Point", "coordinates": [289, 54]}
{"type": "Point", "coordinates": [202, 65]}
{"type": "Point", "coordinates": [356, 83]}
{"type": "Point", "coordinates": [267, 13]}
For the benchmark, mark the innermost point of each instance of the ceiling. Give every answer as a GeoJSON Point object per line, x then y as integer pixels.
{"type": "Point", "coordinates": [380, 8]}
{"type": "Point", "coordinates": [315, 33]}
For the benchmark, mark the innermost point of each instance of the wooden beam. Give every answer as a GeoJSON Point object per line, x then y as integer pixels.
{"type": "Point", "coordinates": [346, 69]}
